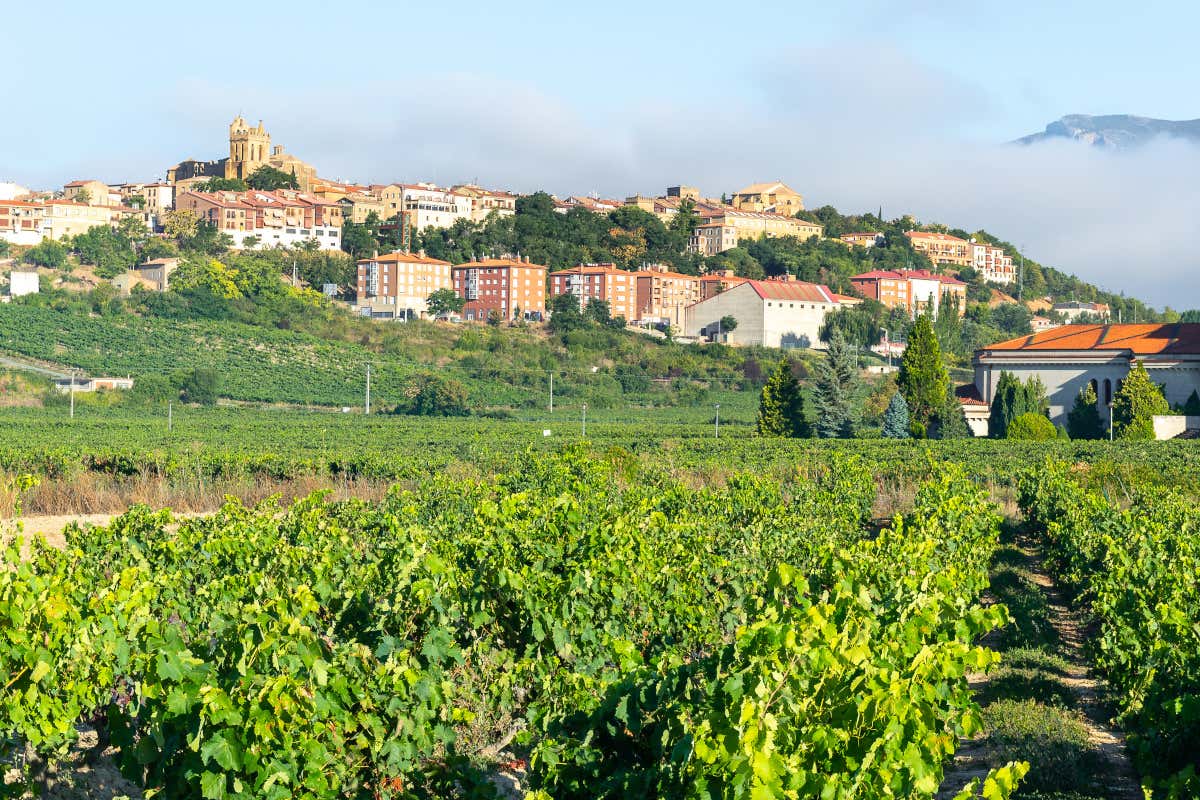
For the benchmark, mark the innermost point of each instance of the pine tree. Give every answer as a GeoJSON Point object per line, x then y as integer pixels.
{"type": "Point", "coordinates": [781, 407]}
{"type": "Point", "coordinates": [1136, 403]}
{"type": "Point", "coordinates": [1083, 420]}
{"type": "Point", "coordinates": [1192, 407]}
{"type": "Point", "coordinates": [835, 390]}
{"type": "Point", "coordinates": [950, 421]}
{"type": "Point", "coordinates": [923, 378]}
{"type": "Point", "coordinates": [895, 419]}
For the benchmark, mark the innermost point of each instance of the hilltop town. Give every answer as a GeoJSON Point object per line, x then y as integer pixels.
{"type": "Point", "coordinates": [753, 268]}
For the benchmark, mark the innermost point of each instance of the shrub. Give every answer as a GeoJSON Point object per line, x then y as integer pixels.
{"type": "Point", "coordinates": [1054, 741]}
{"type": "Point", "coordinates": [1032, 426]}
{"type": "Point", "coordinates": [200, 386]}
{"type": "Point", "coordinates": [433, 395]}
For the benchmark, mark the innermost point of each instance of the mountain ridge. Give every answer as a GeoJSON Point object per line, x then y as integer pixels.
{"type": "Point", "coordinates": [1114, 131]}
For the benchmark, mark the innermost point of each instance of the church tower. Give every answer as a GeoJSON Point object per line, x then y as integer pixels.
{"type": "Point", "coordinates": [249, 148]}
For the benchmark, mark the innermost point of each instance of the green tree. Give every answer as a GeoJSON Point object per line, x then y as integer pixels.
{"type": "Point", "coordinates": [598, 311]}
{"type": "Point", "coordinates": [83, 196]}
{"type": "Point", "coordinates": [950, 421]}
{"type": "Point", "coordinates": [1192, 407]}
{"type": "Point", "coordinates": [1136, 403]}
{"type": "Point", "coordinates": [1013, 318]}
{"type": "Point", "coordinates": [433, 395]}
{"type": "Point", "coordinates": [110, 251]}
{"type": "Point", "coordinates": [1083, 420]}
{"type": "Point", "coordinates": [923, 378]}
{"type": "Point", "coordinates": [1031, 426]}
{"type": "Point", "coordinates": [836, 389]}
{"type": "Point", "coordinates": [565, 314]}
{"type": "Point", "coordinates": [222, 185]}
{"type": "Point", "coordinates": [200, 386]}
{"type": "Point", "coordinates": [444, 303]}
{"type": "Point", "coordinates": [781, 406]}
{"type": "Point", "coordinates": [48, 253]}
{"type": "Point", "coordinates": [895, 419]}
{"type": "Point", "coordinates": [948, 325]}
{"type": "Point", "coordinates": [728, 323]}
{"type": "Point", "coordinates": [267, 179]}
{"type": "Point", "coordinates": [4, 247]}
{"type": "Point", "coordinates": [1013, 398]}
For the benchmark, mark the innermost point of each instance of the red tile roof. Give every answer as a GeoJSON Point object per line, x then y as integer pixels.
{"type": "Point", "coordinates": [1140, 339]}
{"type": "Point", "coordinates": [968, 395]}
{"type": "Point", "coordinates": [793, 290]}
{"type": "Point", "coordinates": [498, 262]}
{"type": "Point", "coordinates": [405, 258]}
{"type": "Point", "coordinates": [902, 274]}
{"type": "Point", "coordinates": [940, 237]}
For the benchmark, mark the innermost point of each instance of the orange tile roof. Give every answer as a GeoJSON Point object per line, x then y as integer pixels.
{"type": "Point", "coordinates": [941, 237]}
{"type": "Point", "coordinates": [594, 269]}
{"type": "Point", "coordinates": [405, 258]}
{"type": "Point", "coordinates": [793, 290]}
{"type": "Point", "coordinates": [498, 262]}
{"type": "Point", "coordinates": [1138, 338]}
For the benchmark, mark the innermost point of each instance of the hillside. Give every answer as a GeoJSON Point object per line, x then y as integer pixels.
{"type": "Point", "coordinates": [1115, 131]}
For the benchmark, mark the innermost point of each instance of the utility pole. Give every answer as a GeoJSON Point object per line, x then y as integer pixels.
{"type": "Point", "coordinates": [585, 420]}
{"type": "Point", "coordinates": [295, 275]}
{"type": "Point", "coordinates": [551, 391]}
{"type": "Point", "coordinates": [72, 391]}
{"type": "Point", "coordinates": [367, 399]}
{"type": "Point", "coordinates": [717, 421]}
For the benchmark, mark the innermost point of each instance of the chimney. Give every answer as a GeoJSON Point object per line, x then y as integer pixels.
{"type": "Point", "coordinates": [421, 252]}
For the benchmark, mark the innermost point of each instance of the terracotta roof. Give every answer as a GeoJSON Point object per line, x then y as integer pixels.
{"type": "Point", "coordinates": [1139, 339]}
{"type": "Point", "coordinates": [792, 290]}
{"type": "Point", "coordinates": [404, 258]}
{"type": "Point", "coordinates": [498, 262]}
{"type": "Point", "coordinates": [22, 203]}
{"type": "Point", "coordinates": [941, 237]}
{"type": "Point", "coordinates": [968, 395]}
{"type": "Point", "coordinates": [760, 188]}
{"type": "Point", "coordinates": [846, 299]}
{"type": "Point", "coordinates": [911, 274]}
{"type": "Point", "coordinates": [876, 274]}
{"type": "Point", "coordinates": [594, 269]}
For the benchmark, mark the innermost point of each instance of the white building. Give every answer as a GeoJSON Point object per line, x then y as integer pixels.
{"type": "Point", "coordinates": [781, 313]}
{"type": "Point", "coordinates": [995, 265]}
{"type": "Point", "coordinates": [22, 283]}
{"type": "Point", "coordinates": [11, 191]}
{"type": "Point", "coordinates": [425, 205]}
{"type": "Point", "coordinates": [1069, 357]}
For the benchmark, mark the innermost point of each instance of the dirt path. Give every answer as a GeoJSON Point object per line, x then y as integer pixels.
{"type": "Point", "coordinates": [1044, 682]}
{"type": "Point", "coordinates": [53, 526]}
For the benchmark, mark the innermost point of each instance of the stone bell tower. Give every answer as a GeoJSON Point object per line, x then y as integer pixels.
{"type": "Point", "coordinates": [249, 148]}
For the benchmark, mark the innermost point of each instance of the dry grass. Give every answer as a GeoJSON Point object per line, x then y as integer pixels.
{"type": "Point", "coordinates": [90, 493]}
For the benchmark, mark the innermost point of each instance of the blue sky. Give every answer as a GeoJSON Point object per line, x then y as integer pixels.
{"type": "Point", "coordinates": [852, 104]}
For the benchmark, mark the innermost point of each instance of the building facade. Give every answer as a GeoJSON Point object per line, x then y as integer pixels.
{"type": "Point", "coordinates": [942, 248]}
{"type": "Point", "coordinates": [914, 290]}
{"type": "Point", "coordinates": [398, 285]}
{"type": "Point", "coordinates": [778, 313]}
{"type": "Point", "coordinates": [617, 287]}
{"type": "Point", "coordinates": [513, 288]}
{"type": "Point", "coordinates": [22, 282]}
{"type": "Point", "coordinates": [995, 265]}
{"type": "Point", "coordinates": [424, 205]}
{"type": "Point", "coordinates": [714, 283]}
{"type": "Point", "coordinates": [267, 219]}
{"type": "Point", "coordinates": [485, 202]}
{"type": "Point", "coordinates": [772, 198]}
{"type": "Point", "coordinates": [91, 193]}
{"type": "Point", "coordinates": [1070, 357]}
{"type": "Point", "coordinates": [1072, 311]}
{"type": "Point", "coordinates": [663, 295]}
{"type": "Point", "coordinates": [863, 239]}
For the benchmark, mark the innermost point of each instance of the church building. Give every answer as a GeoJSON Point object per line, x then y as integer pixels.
{"type": "Point", "coordinates": [249, 148]}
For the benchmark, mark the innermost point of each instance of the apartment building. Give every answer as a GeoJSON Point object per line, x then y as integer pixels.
{"type": "Point", "coordinates": [617, 287]}
{"type": "Point", "coordinates": [942, 248]}
{"type": "Point", "coordinates": [485, 202]}
{"type": "Point", "coordinates": [68, 218]}
{"type": "Point", "coordinates": [424, 205]}
{"type": "Point", "coordinates": [1073, 310]}
{"type": "Point", "coordinates": [511, 287]}
{"type": "Point", "coordinates": [398, 285]}
{"type": "Point", "coordinates": [714, 283]}
{"type": "Point", "coordinates": [282, 218]}
{"type": "Point", "coordinates": [594, 204]}
{"type": "Point", "coordinates": [914, 290]}
{"type": "Point", "coordinates": [735, 225]}
{"type": "Point", "coordinates": [992, 263]}
{"type": "Point", "coordinates": [663, 295]}
{"type": "Point", "coordinates": [21, 221]}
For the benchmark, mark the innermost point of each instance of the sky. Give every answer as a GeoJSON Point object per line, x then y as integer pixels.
{"type": "Point", "coordinates": [904, 105]}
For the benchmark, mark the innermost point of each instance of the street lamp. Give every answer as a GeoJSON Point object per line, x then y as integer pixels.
{"type": "Point", "coordinates": [585, 420]}
{"type": "Point", "coordinates": [717, 421]}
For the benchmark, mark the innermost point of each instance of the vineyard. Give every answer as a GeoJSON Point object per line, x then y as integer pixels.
{"type": "Point", "coordinates": [631, 635]}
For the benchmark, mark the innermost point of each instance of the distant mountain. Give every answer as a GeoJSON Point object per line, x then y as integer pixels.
{"type": "Point", "coordinates": [1115, 131]}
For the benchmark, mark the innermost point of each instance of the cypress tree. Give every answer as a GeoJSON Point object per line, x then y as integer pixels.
{"type": "Point", "coordinates": [835, 390]}
{"type": "Point", "coordinates": [1009, 402]}
{"type": "Point", "coordinates": [1192, 407]}
{"type": "Point", "coordinates": [1136, 403]}
{"type": "Point", "coordinates": [895, 419]}
{"type": "Point", "coordinates": [1083, 420]}
{"type": "Point", "coordinates": [781, 407]}
{"type": "Point", "coordinates": [923, 379]}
